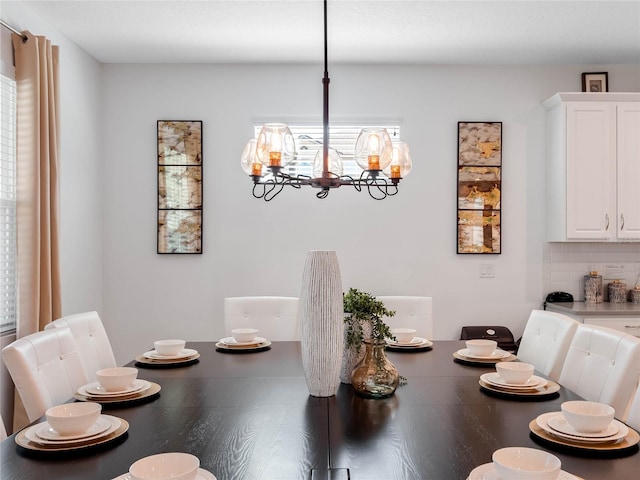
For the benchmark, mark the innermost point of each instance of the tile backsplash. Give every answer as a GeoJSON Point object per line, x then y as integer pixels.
{"type": "Point", "coordinates": [566, 264]}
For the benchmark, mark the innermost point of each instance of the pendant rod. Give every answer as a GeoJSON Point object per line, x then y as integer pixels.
{"type": "Point", "coordinates": [14, 30]}
{"type": "Point", "coordinates": [325, 104]}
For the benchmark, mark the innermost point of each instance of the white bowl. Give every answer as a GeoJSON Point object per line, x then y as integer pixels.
{"type": "Point", "coordinates": [403, 335]}
{"type": "Point", "coordinates": [244, 335]}
{"type": "Point", "coordinates": [73, 418]}
{"type": "Point", "coordinates": [116, 379]}
{"type": "Point", "coordinates": [169, 347]}
{"type": "Point", "coordinates": [481, 347]}
{"type": "Point", "coordinates": [173, 465]}
{"type": "Point", "coordinates": [514, 372]}
{"type": "Point", "coordinates": [588, 417]}
{"type": "Point", "coordinates": [521, 463]}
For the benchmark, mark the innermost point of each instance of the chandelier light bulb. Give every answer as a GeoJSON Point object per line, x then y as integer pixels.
{"type": "Point", "coordinates": [275, 146]}
{"type": "Point", "coordinates": [373, 149]}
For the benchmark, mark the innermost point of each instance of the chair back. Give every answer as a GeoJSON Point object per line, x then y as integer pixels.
{"type": "Point", "coordinates": [545, 341]}
{"type": "Point", "coordinates": [603, 365]}
{"type": "Point", "coordinates": [411, 312]}
{"type": "Point", "coordinates": [3, 431]}
{"type": "Point", "coordinates": [91, 338]}
{"type": "Point", "coordinates": [633, 419]}
{"type": "Point", "coordinates": [46, 368]}
{"type": "Point", "coordinates": [275, 317]}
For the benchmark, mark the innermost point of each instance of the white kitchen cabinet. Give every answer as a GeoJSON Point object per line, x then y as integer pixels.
{"type": "Point", "coordinates": [630, 325]}
{"type": "Point", "coordinates": [593, 167]}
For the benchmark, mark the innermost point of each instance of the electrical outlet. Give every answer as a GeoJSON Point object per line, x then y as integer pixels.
{"type": "Point", "coordinates": [487, 270]}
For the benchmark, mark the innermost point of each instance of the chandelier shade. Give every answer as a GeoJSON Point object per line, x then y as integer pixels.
{"type": "Point", "coordinates": [400, 164]}
{"type": "Point", "coordinates": [373, 149]}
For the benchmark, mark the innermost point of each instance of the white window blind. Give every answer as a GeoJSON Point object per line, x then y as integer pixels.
{"type": "Point", "coordinates": [308, 140]}
{"type": "Point", "coordinates": [8, 250]}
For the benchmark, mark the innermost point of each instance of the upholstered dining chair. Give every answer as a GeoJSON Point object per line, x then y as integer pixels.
{"type": "Point", "coordinates": [275, 317]}
{"type": "Point", "coordinates": [46, 369]}
{"type": "Point", "coordinates": [91, 338]}
{"type": "Point", "coordinates": [603, 365]}
{"type": "Point", "coordinates": [633, 419]}
{"type": "Point", "coordinates": [545, 341]}
{"type": "Point", "coordinates": [3, 431]}
{"type": "Point", "coordinates": [411, 312]}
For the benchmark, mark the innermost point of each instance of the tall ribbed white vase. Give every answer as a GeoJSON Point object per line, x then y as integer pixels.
{"type": "Point", "coordinates": [321, 323]}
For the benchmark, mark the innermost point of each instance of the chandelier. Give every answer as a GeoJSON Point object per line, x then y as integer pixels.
{"type": "Point", "coordinates": [383, 163]}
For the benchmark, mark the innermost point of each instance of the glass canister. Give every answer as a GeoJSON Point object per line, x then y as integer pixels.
{"type": "Point", "coordinates": [593, 292]}
{"type": "Point", "coordinates": [375, 376]}
{"type": "Point", "coordinates": [617, 292]}
{"type": "Point", "coordinates": [635, 294]}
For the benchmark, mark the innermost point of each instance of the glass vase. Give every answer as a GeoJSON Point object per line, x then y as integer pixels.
{"type": "Point", "coordinates": [375, 376]}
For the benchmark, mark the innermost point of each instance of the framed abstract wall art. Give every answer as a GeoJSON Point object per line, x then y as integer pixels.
{"type": "Point", "coordinates": [479, 187]}
{"type": "Point", "coordinates": [179, 186]}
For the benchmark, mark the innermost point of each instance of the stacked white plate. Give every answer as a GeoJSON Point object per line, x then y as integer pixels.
{"type": "Point", "coordinates": [416, 342]}
{"type": "Point", "coordinates": [555, 424]}
{"type": "Point", "coordinates": [488, 472]}
{"type": "Point", "coordinates": [231, 344]}
{"type": "Point", "coordinates": [495, 380]}
{"type": "Point", "coordinates": [43, 434]}
{"type": "Point", "coordinates": [496, 355]}
{"type": "Point", "coordinates": [185, 354]}
{"type": "Point", "coordinates": [96, 391]}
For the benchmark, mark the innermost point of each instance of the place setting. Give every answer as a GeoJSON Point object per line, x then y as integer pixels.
{"type": "Point", "coordinates": [521, 463]}
{"type": "Point", "coordinates": [406, 340]}
{"type": "Point", "coordinates": [482, 353]}
{"type": "Point", "coordinates": [169, 353]}
{"type": "Point", "coordinates": [243, 340]}
{"type": "Point", "coordinates": [72, 426]}
{"type": "Point", "coordinates": [165, 466]}
{"type": "Point", "coordinates": [585, 427]}
{"type": "Point", "coordinates": [516, 381]}
{"type": "Point", "coordinates": [117, 385]}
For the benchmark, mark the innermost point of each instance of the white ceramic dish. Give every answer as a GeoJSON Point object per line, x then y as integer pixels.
{"type": "Point", "coordinates": [543, 422]}
{"type": "Point", "coordinates": [140, 386]}
{"type": "Point", "coordinates": [404, 335]}
{"type": "Point", "coordinates": [32, 436]}
{"type": "Point", "coordinates": [202, 475]}
{"type": "Point", "coordinates": [525, 463]}
{"type": "Point", "coordinates": [230, 341]}
{"type": "Point", "coordinates": [46, 432]}
{"type": "Point", "coordinates": [560, 424]}
{"type": "Point", "coordinates": [496, 355]}
{"type": "Point", "coordinates": [488, 472]}
{"type": "Point", "coordinates": [496, 380]}
{"type": "Point", "coordinates": [115, 379]}
{"type": "Point", "coordinates": [516, 373]}
{"type": "Point", "coordinates": [586, 416]}
{"type": "Point", "coordinates": [184, 353]}
{"type": "Point", "coordinates": [73, 418]}
{"type": "Point", "coordinates": [415, 343]}
{"type": "Point", "coordinates": [169, 347]}
{"type": "Point", "coordinates": [481, 346]}
{"type": "Point", "coordinates": [96, 389]}
{"type": "Point", "coordinates": [253, 346]}
{"type": "Point", "coordinates": [244, 335]}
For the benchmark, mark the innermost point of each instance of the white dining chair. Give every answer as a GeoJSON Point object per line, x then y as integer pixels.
{"type": "Point", "coordinates": [46, 369]}
{"type": "Point", "coordinates": [603, 365]}
{"type": "Point", "coordinates": [3, 431]}
{"type": "Point", "coordinates": [275, 317]}
{"type": "Point", "coordinates": [633, 419]}
{"type": "Point", "coordinates": [411, 312]}
{"type": "Point", "coordinates": [91, 338]}
{"type": "Point", "coordinates": [545, 341]}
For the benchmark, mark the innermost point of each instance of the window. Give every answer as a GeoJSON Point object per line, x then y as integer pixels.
{"type": "Point", "coordinates": [8, 272]}
{"type": "Point", "coordinates": [308, 139]}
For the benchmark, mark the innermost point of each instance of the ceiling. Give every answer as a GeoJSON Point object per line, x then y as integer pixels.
{"type": "Point", "coordinates": [361, 31]}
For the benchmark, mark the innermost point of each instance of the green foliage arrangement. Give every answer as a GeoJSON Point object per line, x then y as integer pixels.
{"type": "Point", "coordinates": [362, 307]}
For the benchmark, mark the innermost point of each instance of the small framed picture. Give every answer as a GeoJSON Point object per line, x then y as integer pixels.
{"type": "Point", "coordinates": [595, 82]}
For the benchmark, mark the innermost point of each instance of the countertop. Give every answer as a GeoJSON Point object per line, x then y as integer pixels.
{"type": "Point", "coordinates": [596, 309]}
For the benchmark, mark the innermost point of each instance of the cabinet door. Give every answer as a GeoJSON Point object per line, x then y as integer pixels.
{"type": "Point", "coordinates": [629, 325]}
{"type": "Point", "coordinates": [591, 170]}
{"type": "Point", "coordinates": [628, 152]}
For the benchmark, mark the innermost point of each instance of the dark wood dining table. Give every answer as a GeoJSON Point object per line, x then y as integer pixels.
{"type": "Point", "coordinates": [249, 416]}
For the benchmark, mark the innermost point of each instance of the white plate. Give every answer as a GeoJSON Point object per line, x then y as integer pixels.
{"type": "Point", "coordinates": [32, 436]}
{"type": "Point", "coordinates": [496, 380]}
{"type": "Point", "coordinates": [185, 353]}
{"type": "Point", "coordinates": [542, 422]}
{"type": "Point", "coordinates": [230, 341]}
{"type": "Point", "coordinates": [202, 475]}
{"type": "Point", "coordinates": [488, 472]}
{"type": "Point", "coordinates": [96, 389]}
{"type": "Point", "coordinates": [417, 342]}
{"type": "Point", "coordinates": [46, 432]}
{"type": "Point", "coordinates": [559, 423]}
{"type": "Point", "coordinates": [496, 355]}
{"type": "Point", "coordinates": [253, 346]}
{"type": "Point", "coordinates": [144, 386]}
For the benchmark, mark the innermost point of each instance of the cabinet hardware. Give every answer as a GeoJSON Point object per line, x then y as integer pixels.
{"type": "Point", "coordinates": [622, 219]}
{"type": "Point", "coordinates": [606, 216]}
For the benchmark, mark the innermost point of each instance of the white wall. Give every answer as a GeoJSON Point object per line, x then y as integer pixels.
{"type": "Point", "coordinates": [403, 245]}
